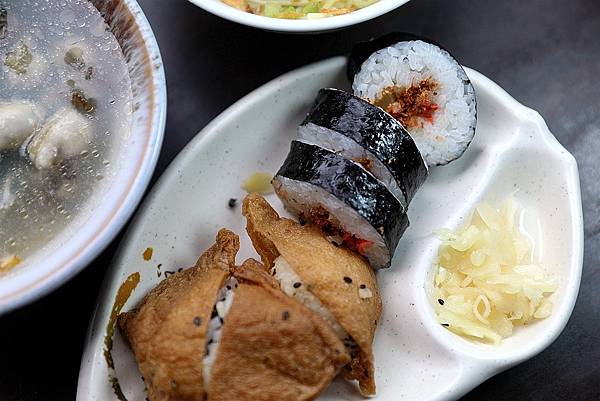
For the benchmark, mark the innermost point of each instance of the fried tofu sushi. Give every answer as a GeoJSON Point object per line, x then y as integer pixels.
{"type": "Point", "coordinates": [272, 347]}
{"type": "Point", "coordinates": [168, 331]}
{"type": "Point", "coordinates": [220, 332]}
{"type": "Point", "coordinates": [334, 282]}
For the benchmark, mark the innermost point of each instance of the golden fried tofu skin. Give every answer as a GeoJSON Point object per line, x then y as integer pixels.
{"type": "Point", "coordinates": [167, 331]}
{"type": "Point", "coordinates": [221, 332]}
{"type": "Point", "coordinates": [272, 348]}
{"type": "Point", "coordinates": [335, 282]}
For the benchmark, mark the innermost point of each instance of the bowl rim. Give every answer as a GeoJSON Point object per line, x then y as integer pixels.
{"type": "Point", "coordinates": [29, 287]}
{"type": "Point", "coordinates": [217, 7]}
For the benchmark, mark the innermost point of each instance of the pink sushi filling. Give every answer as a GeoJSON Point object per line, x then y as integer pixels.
{"type": "Point", "coordinates": [319, 216]}
{"type": "Point", "coordinates": [410, 106]}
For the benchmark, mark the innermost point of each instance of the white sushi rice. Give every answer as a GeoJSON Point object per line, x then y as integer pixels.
{"type": "Point", "coordinates": [342, 145]}
{"type": "Point", "coordinates": [299, 197]}
{"type": "Point", "coordinates": [406, 64]}
{"type": "Point", "coordinates": [291, 284]}
{"type": "Point", "coordinates": [215, 326]}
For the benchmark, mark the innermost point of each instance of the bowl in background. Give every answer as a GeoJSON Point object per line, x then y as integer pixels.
{"type": "Point", "coordinates": [77, 245]}
{"type": "Point", "coordinates": [223, 10]}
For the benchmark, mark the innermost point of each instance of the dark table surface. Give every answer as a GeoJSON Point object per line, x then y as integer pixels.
{"type": "Point", "coordinates": [546, 53]}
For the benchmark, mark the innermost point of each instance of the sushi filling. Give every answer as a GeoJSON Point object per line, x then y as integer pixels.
{"type": "Point", "coordinates": [412, 106]}
{"type": "Point", "coordinates": [320, 217]}
{"type": "Point", "coordinates": [291, 284]}
{"type": "Point", "coordinates": [215, 326]}
{"type": "Point", "coordinates": [315, 205]}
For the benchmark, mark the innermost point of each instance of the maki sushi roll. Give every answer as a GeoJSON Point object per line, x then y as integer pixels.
{"type": "Point", "coordinates": [343, 199]}
{"type": "Point", "coordinates": [423, 87]}
{"type": "Point", "coordinates": [357, 130]}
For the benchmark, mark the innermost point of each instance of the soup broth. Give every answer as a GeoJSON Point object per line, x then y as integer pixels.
{"type": "Point", "coordinates": [65, 111]}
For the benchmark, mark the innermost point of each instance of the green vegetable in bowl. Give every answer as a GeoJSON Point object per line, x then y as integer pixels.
{"type": "Point", "coordinates": [74, 57]}
{"type": "Point", "coordinates": [19, 58]}
{"type": "Point", "coordinates": [299, 9]}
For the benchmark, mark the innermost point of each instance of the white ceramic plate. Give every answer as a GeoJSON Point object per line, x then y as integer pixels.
{"type": "Point", "coordinates": [416, 358]}
{"type": "Point", "coordinates": [223, 10]}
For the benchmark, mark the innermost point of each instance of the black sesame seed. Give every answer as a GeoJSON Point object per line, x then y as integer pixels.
{"type": "Point", "coordinates": [274, 272]}
{"type": "Point", "coordinates": [440, 301]}
{"type": "Point", "coordinates": [362, 286]}
{"type": "Point", "coordinates": [335, 244]}
{"type": "Point", "coordinates": [232, 203]}
{"type": "Point", "coordinates": [285, 315]}
{"type": "Point", "coordinates": [297, 285]}
{"type": "Point", "coordinates": [301, 220]}
{"type": "Point", "coordinates": [229, 287]}
{"type": "Point", "coordinates": [445, 325]}
{"type": "Point", "coordinates": [197, 321]}
{"type": "Point", "coordinates": [348, 280]}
